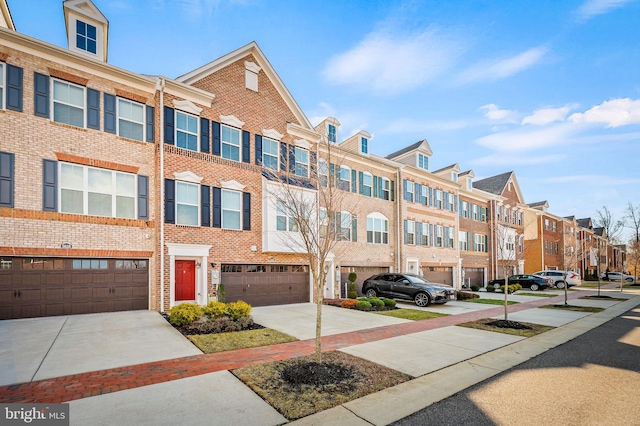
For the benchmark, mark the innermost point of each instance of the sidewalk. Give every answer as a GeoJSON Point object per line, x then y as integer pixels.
{"type": "Point", "coordinates": [191, 373]}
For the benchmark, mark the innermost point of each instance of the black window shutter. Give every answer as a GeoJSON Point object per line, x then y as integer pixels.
{"type": "Point", "coordinates": [354, 181]}
{"type": "Point", "coordinates": [14, 88]}
{"type": "Point", "coordinates": [405, 190]}
{"type": "Point", "coordinates": [246, 147]}
{"type": "Point", "coordinates": [406, 233]}
{"type": "Point", "coordinates": [393, 191]}
{"type": "Point", "coordinates": [258, 141]}
{"type": "Point", "coordinates": [215, 138]}
{"type": "Point", "coordinates": [418, 228]}
{"type": "Point", "coordinates": [376, 182]}
{"type": "Point", "coordinates": [360, 176]}
{"type": "Point", "coordinates": [93, 109]}
{"type": "Point", "coordinates": [49, 185]}
{"type": "Point", "coordinates": [169, 125]}
{"type": "Point", "coordinates": [292, 159]}
{"type": "Point", "coordinates": [217, 207]}
{"type": "Point", "coordinates": [283, 156]}
{"type": "Point", "coordinates": [109, 113]}
{"type": "Point", "coordinates": [169, 201]}
{"type": "Point", "coordinates": [41, 95]}
{"type": "Point", "coordinates": [430, 234]}
{"type": "Point", "coordinates": [150, 123]}
{"type": "Point", "coordinates": [354, 229]}
{"type": "Point", "coordinates": [143, 197]}
{"type": "Point", "coordinates": [205, 205]}
{"type": "Point", "coordinates": [417, 188]}
{"type": "Point", "coordinates": [7, 161]}
{"type": "Point", "coordinates": [246, 211]}
{"type": "Point", "coordinates": [204, 135]}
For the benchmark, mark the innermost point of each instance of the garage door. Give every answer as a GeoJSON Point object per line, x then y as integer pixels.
{"type": "Point", "coordinates": [438, 274]}
{"type": "Point", "coordinates": [37, 287]}
{"type": "Point", "coordinates": [362, 272]}
{"type": "Point", "coordinates": [474, 276]}
{"type": "Point", "coordinates": [264, 285]}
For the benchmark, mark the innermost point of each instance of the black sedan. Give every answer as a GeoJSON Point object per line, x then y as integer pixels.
{"type": "Point", "coordinates": [532, 282]}
{"type": "Point", "coordinates": [408, 287]}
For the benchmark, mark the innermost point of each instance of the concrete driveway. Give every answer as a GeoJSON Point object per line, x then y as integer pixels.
{"type": "Point", "coordinates": [41, 348]}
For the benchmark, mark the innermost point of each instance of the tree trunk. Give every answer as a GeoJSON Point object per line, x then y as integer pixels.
{"type": "Point", "coordinates": [506, 305]}
{"type": "Point", "coordinates": [319, 324]}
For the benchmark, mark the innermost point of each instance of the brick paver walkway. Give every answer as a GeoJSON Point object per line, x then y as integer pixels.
{"type": "Point", "coordinates": [68, 388]}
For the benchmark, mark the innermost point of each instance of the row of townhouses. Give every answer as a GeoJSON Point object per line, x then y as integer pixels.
{"type": "Point", "coordinates": [122, 191]}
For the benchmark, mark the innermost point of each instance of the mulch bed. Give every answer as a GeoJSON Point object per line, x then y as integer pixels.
{"type": "Point", "coordinates": [509, 324]}
{"type": "Point", "coordinates": [338, 303]}
{"type": "Point", "coordinates": [192, 331]}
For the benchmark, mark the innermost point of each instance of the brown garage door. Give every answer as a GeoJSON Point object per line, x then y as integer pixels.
{"type": "Point", "coordinates": [264, 285]}
{"type": "Point", "coordinates": [438, 274]}
{"type": "Point", "coordinates": [473, 276]}
{"type": "Point", "coordinates": [38, 287]}
{"type": "Point", "coordinates": [363, 272]}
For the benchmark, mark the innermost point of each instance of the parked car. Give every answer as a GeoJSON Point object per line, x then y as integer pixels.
{"type": "Point", "coordinates": [560, 278]}
{"type": "Point", "coordinates": [617, 276]}
{"type": "Point", "coordinates": [408, 287]}
{"type": "Point", "coordinates": [532, 282]}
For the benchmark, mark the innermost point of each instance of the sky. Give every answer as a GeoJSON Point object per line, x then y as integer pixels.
{"type": "Point", "coordinates": [548, 89]}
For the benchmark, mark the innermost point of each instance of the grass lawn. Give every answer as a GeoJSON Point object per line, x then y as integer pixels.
{"type": "Point", "coordinates": [592, 284]}
{"type": "Point", "coordinates": [296, 401]}
{"type": "Point", "coordinates": [221, 342]}
{"type": "Point", "coordinates": [483, 325]}
{"type": "Point", "coordinates": [573, 308]}
{"type": "Point", "coordinates": [411, 314]}
{"type": "Point", "coordinates": [490, 301]}
{"type": "Point", "coordinates": [536, 294]}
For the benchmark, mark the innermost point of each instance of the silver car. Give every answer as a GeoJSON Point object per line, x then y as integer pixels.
{"type": "Point", "coordinates": [617, 276]}
{"type": "Point", "coordinates": [561, 278]}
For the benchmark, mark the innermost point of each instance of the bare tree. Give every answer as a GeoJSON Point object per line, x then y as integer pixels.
{"type": "Point", "coordinates": [570, 254]}
{"type": "Point", "coordinates": [311, 219]}
{"type": "Point", "coordinates": [509, 249]}
{"type": "Point", "coordinates": [633, 256]}
{"type": "Point", "coordinates": [632, 216]}
{"type": "Point", "coordinates": [613, 228]}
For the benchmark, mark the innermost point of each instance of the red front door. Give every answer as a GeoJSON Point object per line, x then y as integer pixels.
{"type": "Point", "coordinates": [185, 280]}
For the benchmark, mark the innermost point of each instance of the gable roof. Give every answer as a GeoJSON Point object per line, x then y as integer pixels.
{"type": "Point", "coordinates": [87, 10]}
{"type": "Point", "coordinates": [413, 147]}
{"type": "Point", "coordinates": [585, 223]}
{"type": "Point", "coordinates": [497, 184]}
{"type": "Point", "coordinates": [453, 167]}
{"type": "Point", "coordinates": [6, 20]}
{"type": "Point", "coordinates": [540, 205]}
{"type": "Point", "coordinates": [231, 57]}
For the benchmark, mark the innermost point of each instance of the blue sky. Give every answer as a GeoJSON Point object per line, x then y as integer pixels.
{"type": "Point", "coordinates": [549, 89]}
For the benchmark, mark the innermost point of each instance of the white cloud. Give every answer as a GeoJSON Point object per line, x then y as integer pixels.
{"type": "Point", "coordinates": [497, 114]}
{"type": "Point", "coordinates": [511, 160]}
{"type": "Point", "coordinates": [591, 8]}
{"type": "Point", "coordinates": [613, 113]}
{"type": "Point", "coordinates": [525, 139]}
{"type": "Point", "coordinates": [595, 180]}
{"type": "Point", "coordinates": [386, 63]}
{"type": "Point", "coordinates": [545, 116]}
{"type": "Point", "coordinates": [498, 69]}
{"type": "Point", "coordinates": [409, 125]}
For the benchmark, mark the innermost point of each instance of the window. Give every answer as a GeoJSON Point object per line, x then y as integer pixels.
{"type": "Point", "coordinates": [410, 232]}
{"type": "Point", "coordinates": [6, 264]}
{"type": "Point", "coordinates": [474, 212]}
{"type": "Point", "coordinates": [469, 185]}
{"type": "Point", "coordinates": [425, 234]}
{"type": "Point", "coordinates": [256, 268]}
{"type": "Point", "coordinates": [332, 133]}
{"type": "Point", "coordinates": [345, 226]}
{"type": "Point", "coordinates": [89, 264]}
{"type": "Point", "coordinates": [438, 199]}
{"type": "Point", "coordinates": [425, 194]}
{"type": "Point", "coordinates": [344, 178]}
{"type": "Point", "coordinates": [386, 188]}
{"type": "Point", "coordinates": [448, 237]}
{"type": "Point", "coordinates": [131, 120]}
{"type": "Point", "coordinates": [546, 224]}
{"type": "Point", "coordinates": [377, 230]}
{"type": "Point", "coordinates": [231, 209]}
{"type": "Point", "coordinates": [302, 162]}
{"type": "Point", "coordinates": [270, 154]}
{"type": "Point", "coordinates": [450, 202]}
{"type": "Point", "coordinates": [364, 145]}
{"type": "Point", "coordinates": [439, 236]}
{"type": "Point", "coordinates": [323, 173]}
{"type": "Point", "coordinates": [68, 103]}
{"type": "Point", "coordinates": [480, 243]}
{"type": "Point", "coordinates": [42, 263]}
{"type": "Point", "coordinates": [187, 202]}
{"type": "Point", "coordinates": [454, 177]}
{"type": "Point", "coordinates": [367, 184]}
{"type": "Point", "coordinates": [323, 219]}
{"type": "Point", "coordinates": [231, 268]}
{"type": "Point", "coordinates": [230, 140]}
{"type": "Point", "coordinates": [423, 161]}
{"type": "Point", "coordinates": [284, 219]}
{"type": "Point", "coordinates": [464, 209]}
{"type": "Point", "coordinates": [2, 85]}
{"type": "Point", "coordinates": [86, 37]}
{"type": "Point", "coordinates": [408, 190]}
{"type": "Point", "coordinates": [97, 192]}
{"type": "Point", "coordinates": [554, 226]}
{"type": "Point", "coordinates": [131, 264]}
{"type": "Point", "coordinates": [463, 237]}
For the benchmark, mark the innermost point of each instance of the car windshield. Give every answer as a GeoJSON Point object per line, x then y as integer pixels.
{"type": "Point", "coordinates": [417, 280]}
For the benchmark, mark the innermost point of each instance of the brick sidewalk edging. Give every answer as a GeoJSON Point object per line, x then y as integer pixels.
{"type": "Point", "coordinates": [77, 386]}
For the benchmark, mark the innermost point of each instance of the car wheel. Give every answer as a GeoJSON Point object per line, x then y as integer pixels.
{"type": "Point", "coordinates": [534, 287]}
{"type": "Point", "coordinates": [422, 300]}
{"type": "Point", "coordinates": [497, 286]}
{"type": "Point", "coordinates": [371, 293]}
{"type": "Point", "coordinates": [560, 284]}
{"type": "Point", "coordinates": [629, 280]}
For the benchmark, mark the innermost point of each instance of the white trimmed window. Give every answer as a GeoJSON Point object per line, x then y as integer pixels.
{"type": "Point", "coordinates": [425, 234]}
{"type": "Point", "coordinates": [408, 193]}
{"type": "Point", "coordinates": [386, 189]}
{"type": "Point", "coordinates": [454, 177]}
{"type": "Point", "coordinates": [450, 200]}
{"type": "Point", "coordinates": [474, 212]}
{"type": "Point", "coordinates": [439, 236]}
{"type": "Point", "coordinates": [97, 192]}
{"type": "Point", "coordinates": [2, 84]}
{"type": "Point", "coordinates": [68, 103]}
{"type": "Point", "coordinates": [411, 232]}
{"type": "Point", "coordinates": [469, 185]}
{"type": "Point", "coordinates": [187, 204]}
{"type": "Point", "coordinates": [302, 162]}
{"type": "Point", "coordinates": [130, 120]}
{"type": "Point", "coordinates": [464, 209]}
{"type": "Point", "coordinates": [423, 161]}
{"type": "Point", "coordinates": [186, 131]}
{"type": "Point", "coordinates": [462, 240]}
{"type": "Point", "coordinates": [479, 243]}
{"type": "Point", "coordinates": [230, 141]}
{"type": "Point", "coordinates": [377, 229]}
{"type": "Point", "coordinates": [364, 145]}
{"type": "Point", "coordinates": [323, 172]}
{"type": "Point", "coordinates": [367, 184]}
{"type": "Point", "coordinates": [331, 130]}
{"type": "Point", "coordinates": [231, 209]}
{"type": "Point", "coordinates": [86, 37]}
{"type": "Point", "coordinates": [323, 219]}
{"type": "Point", "coordinates": [425, 194]}
{"type": "Point", "coordinates": [345, 226]}
{"type": "Point", "coordinates": [438, 199]}
{"type": "Point", "coordinates": [284, 219]}
{"type": "Point", "coordinates": [344, 178]}
{"type": "Point", "coordinates": [270, 153]}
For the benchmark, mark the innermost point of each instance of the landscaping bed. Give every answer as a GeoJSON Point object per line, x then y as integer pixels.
{"type": "Point", "coordinates": [363, 304]}
{"type": "Point", "coordinates": [573, 308]}
{"type": "Point", "coordinates": [516, 328]}
{"type": "Point", "coordinates": [603, 298]}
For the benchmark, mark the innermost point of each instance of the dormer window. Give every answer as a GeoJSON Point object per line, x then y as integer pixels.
{"type": "Point", "coordinates": [454, 177]}
{"type": "Point", "coordinates": [469, 185]}
{"type": "Point", "coordinates": [332, 133]}
{"type": "Point", "coordinates": [86, 37]}
{"type": "Point", "coordinates": [364, 145]}
{"type": "Point", "coordinates": [423, 161]}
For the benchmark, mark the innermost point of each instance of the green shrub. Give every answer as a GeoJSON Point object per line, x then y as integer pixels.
{"type": "Point", "coordinates": [363, 305]}
{"type": "Point", "coordinates": [475, 288]}
{"type": "Point", "coordinates": [375, 302]}
{"type": "Point", "coordinates": [221, 293]}
{"type": "Point", "coordinates": [349, 304]}
{"type": "Point", "coordinates": [464, 295]}
{"type": "Point", "coordinates": [185, 314]}
{"type": "Point", "coordinates": [352, 277]}
{"type": "Point", "coordinates": [511, 288]}
{"type": "Point", "coordinates": [239, 309]}
{"type": "Point", "coordinates": [215, 310]}
{"type": "Point", "coordinates": [389, 302]}
{"type": "Point", "coordinates": [352, 293]}
{"type": "Point", "coordinates": [490, 289]}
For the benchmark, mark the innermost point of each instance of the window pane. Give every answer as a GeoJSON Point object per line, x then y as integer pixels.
{"type": "Point", "coordinates": [281, 223]}
{"type": "Point", "coordinates": [130, 130]}
{"type": "Point", "coordinates": [181, 121]}
{"type": "Point", "coordinates": [125, 207]}
{"type": "Point", "coordinates": [192, 124]}
{"type": "Point", "coordinates": [100, 181]}
{"type": "Point", "coordinates": [68, 115]}
{"type": "Point", "coordinates": [70, 201]}
{"type": "Point", "coordinates": [187, 215]}
{"type": "Point", "coordinates": [71, 176]}
{"type": "Point", "coordinates": [187, 193]}
{"type": "Point", "coordinates": [230, 219]}
{"type": "Point", "coordinates": [192, 142]}
{"type": "Point", "coordinates": [231, 200]}
{"type": "Point", "coordinates": [125, 184]}
{"type": "Point", "coordinates": [99, 204]}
